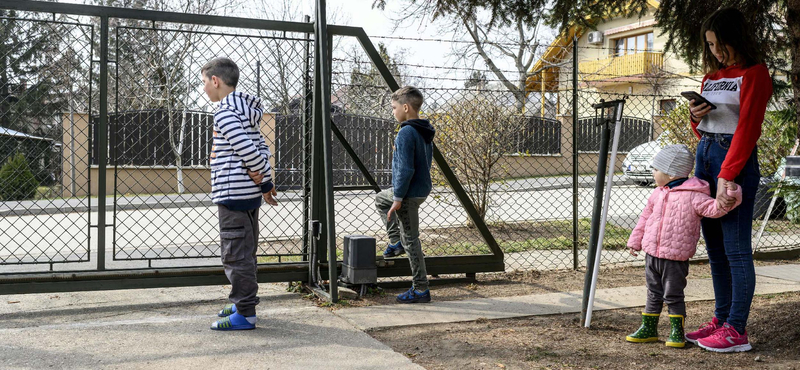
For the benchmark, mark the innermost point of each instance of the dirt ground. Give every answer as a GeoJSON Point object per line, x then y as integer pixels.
{"type": "Point", "coordinates": [559, 341]}
{"type": "Point", "coordinates": [533, 282]}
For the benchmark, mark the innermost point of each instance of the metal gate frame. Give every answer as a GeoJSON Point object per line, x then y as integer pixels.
{"type": "Point", "coordinates": [322, 247]}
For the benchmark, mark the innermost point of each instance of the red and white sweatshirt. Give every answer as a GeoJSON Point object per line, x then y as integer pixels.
{"type": "Point", "coordinates": [741, 95]}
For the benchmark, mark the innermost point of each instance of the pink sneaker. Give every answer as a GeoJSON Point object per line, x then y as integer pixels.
{"type": "Point", "coordinates": [704, 331]}
{"type": "Point", "coordinates": [725, 339]}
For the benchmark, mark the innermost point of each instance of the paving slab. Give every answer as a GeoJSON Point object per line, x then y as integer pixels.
{"type": "Point", "coordinates": [169, 329]}
{"type": "Point", "coordinates": [375, 317]}
{"type": "Point", "coordinates": [785, 272]}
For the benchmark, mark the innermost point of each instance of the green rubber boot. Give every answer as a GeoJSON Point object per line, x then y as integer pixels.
{"type": "Point", "coordinates": [676, 338]}
{"type": "Point", "coordinates": [648, 332]}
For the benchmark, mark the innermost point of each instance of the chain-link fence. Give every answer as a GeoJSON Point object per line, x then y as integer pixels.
{"type": "Point", "coordinates": [159, 144]}
{"type": "Point", "coordinates": [44, 156]}
{"type": "Point", "coordinates": [527, 158]}
{"type": "Point", "coordinates": [529, 162]}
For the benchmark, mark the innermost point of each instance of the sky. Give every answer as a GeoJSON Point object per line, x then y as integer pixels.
{"type": "Point", "coordinates": [379, 24]}
{"type": "Point", "coordinates": [359, 13]}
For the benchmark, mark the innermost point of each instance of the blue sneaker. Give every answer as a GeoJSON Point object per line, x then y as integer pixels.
{"type": "Point", "coordinates": [413, 296]}
{"type": "Point", "coordinates": [227, 311]}
{"type": "Point", "coordinates": [394, 250]}
{"type": "Point", "coordinates": [235, 322]}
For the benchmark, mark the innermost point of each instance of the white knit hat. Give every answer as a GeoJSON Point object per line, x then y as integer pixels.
{"type": "Point", "coordinates": [674, 160]}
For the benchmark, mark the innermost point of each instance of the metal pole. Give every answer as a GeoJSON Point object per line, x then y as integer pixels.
{"type": "Point", "coordinates": [598, 200]}
{"type": "Point", "coordinates": [575, 153]}
{"type": "Point", "coordinates": [772, 202]}
{"type": "Point", "coordinates": [317, 179]}
{"type": "Point", "coordinates": [306, 117]}
{"type": "Point", "coordinates": [71, 143]}
{"type": "Point", "coordinates": [324, 104]}
{"type": "Point", "coordinates": [595, 271]}
{"type": "Point", "coordinates": [258, 78]}
{"type": "Point", "coordinates": [102, 146]}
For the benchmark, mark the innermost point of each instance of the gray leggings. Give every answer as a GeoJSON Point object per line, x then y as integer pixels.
{"type": "Point", "coordinates": [666, 280]}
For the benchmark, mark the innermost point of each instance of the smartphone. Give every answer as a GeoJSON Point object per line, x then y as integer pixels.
{"type": "Point", "coordinates": [698, 99]}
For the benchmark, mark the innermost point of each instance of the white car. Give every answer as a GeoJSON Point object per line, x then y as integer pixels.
{"type": "Point", "coordinates": [636, 165]}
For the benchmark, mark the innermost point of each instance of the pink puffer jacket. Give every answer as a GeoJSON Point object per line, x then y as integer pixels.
{"type": "Point", "coordinates": [669, 227]}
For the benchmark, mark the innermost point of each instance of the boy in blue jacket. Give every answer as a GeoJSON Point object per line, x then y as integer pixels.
{"type": "Point", "coordinates": [411, 185]}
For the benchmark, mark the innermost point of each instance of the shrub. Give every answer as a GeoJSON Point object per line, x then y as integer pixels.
{"type": "Point", "coordinates": [677, 129]}
{"type": "Point", "coordinates": [16, 180]}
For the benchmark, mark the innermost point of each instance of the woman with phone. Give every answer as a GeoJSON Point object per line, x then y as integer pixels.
{"type": "Point", "coordinates": [739, 86]}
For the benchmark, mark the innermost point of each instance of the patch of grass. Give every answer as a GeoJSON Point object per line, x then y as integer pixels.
{"type": "Point", "coordinates": [778, 226]}
{"type": "Point", "coordinates": [539, 353]}
{"type": "Point", "coordinates": [279, 259]}
{"type": "Point", "coordinates": [47, 192]}
{"type": "Point", "coordinates": [295, 287]}
{"type": "Point", "coordinates": [515, 238]}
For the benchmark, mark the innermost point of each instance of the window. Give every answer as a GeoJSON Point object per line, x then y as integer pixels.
{"type": "Point", "coordinates": [667, 105]}
{"type": "Point", "coordinates": [632, 44]}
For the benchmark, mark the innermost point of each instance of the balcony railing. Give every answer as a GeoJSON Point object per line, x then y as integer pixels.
{"type": "Point", "coordinates": [611, 69]}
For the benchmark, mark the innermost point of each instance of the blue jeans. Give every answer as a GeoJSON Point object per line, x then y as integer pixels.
{"type": "Point", "coordinates": [729, 238]}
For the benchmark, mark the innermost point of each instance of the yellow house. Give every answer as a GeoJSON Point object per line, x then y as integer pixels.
{"type": "Point", "coordinates": [621, 56]}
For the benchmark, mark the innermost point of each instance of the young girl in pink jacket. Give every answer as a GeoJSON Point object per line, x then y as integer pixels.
{"type": "Point", "coordinates": [668, 231]}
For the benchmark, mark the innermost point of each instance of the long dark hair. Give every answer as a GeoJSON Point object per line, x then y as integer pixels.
{"type": "Point", "coordinates": [731, 29]}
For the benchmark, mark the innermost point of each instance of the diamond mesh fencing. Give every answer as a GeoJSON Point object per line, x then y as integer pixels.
{"type": "Point", "coordinates": [160, 138]}
{"type": "Point", "coordinates": [44, 146]}
{"type": "Point", "coordinates": [526, 158]}
{"type": "Point", "coordinates": [513, 154]}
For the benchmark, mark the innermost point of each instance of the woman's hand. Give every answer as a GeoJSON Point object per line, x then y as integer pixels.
{"type": "Point", "coordinates": [698, 111]}
{"type": "Point", "coordinates": [723, 200]}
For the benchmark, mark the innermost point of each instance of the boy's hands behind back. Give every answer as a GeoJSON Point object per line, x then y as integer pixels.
{"type": "Point", "coordinates": [269, 197]}
{"type": "Point", "coordinates": [256, 176]}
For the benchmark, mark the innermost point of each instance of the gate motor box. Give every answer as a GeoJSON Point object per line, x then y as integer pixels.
{"type": "Point", "coordinates": [358, 265]}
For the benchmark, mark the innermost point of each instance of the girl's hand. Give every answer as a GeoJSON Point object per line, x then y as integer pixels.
{"type": "Point", "coordinates": [633, 252]}
{"type": "Point", "coordinates": [698, 111]}
{"type": "Point", "coordinates": [723, 200]}
{"type": "Point", "coordinates": [730, 185]}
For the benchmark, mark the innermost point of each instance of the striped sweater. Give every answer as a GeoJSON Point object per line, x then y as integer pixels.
{"type": "Point", "coordinates": [238, 147]}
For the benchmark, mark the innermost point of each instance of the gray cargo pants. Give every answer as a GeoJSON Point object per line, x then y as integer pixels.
{"type": "Point", "coordinates": [407, 231]}
{"type": "Point", "coordinates": [239, 233]}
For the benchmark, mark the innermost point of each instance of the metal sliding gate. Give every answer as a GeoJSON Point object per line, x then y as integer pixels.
{"type": "Point", "coordinates": [115, 130]}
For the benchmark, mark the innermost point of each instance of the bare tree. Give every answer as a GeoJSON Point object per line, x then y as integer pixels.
{"type": "Point", "coordinates": [281, 63]}
{"type": "Point", "coordinates": [474, 135]}
{"type": "Point", "coordinates": [518, 41]}
{"type": "Point", "coordinates": [157, 66]}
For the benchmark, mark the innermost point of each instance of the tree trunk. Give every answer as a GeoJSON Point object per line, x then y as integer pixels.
{"type": "Point", "coordinates": [793, 28]}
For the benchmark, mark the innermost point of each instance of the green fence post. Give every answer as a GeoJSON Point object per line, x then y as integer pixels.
{"type": "Point", "coordinates": [575, 172]}
{"type": "Point", "coordinates": [102, 146]}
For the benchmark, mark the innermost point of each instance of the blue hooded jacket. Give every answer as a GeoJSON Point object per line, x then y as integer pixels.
{"type": "Point", "coordinates": [411, 161]}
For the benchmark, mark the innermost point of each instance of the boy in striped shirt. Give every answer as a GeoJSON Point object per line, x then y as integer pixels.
{"type": "Point", "coordinates": [240, 177]}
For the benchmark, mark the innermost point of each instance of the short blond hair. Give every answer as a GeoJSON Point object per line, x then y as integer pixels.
{"type": "Point", "coordinates": [409, 95]}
